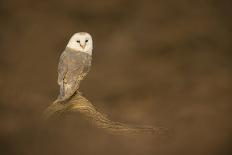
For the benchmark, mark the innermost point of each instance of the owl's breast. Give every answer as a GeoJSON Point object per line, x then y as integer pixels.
{"type": "Point", "coordinates": [79, 59]}
{"type": "Point", "coordinates": [78, 65]}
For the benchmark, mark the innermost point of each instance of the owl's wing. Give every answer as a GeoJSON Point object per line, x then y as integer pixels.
{"type": "Point", "coordinates": [62, 68]}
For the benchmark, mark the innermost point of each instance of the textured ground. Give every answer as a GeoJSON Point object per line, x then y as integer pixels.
{"type": "Point", "coordinates": [164, 63]}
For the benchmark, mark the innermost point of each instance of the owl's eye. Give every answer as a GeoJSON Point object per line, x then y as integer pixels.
{"type": "Point", "coordinates": [86, 41]}
{"type": "Point", "coordinates": [78, 41]}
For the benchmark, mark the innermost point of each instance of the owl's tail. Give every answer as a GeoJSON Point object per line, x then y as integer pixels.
{"type": "Point", "coordinates": [65, 94]}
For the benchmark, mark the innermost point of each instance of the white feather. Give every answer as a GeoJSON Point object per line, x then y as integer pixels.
{"type": "Point", "coordinates": [83, 39]}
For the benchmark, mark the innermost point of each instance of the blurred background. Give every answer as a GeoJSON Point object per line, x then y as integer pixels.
{"type": "Point", "coordinates": [162, 63]}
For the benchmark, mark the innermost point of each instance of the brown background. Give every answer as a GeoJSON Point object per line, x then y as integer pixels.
{"type": "Point", "coordinates": [164, 63]}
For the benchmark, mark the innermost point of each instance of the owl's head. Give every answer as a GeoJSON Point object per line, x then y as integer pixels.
{"type": "Point", "coordinates": [81, 41]}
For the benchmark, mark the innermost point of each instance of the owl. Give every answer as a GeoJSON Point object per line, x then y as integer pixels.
{"type": "Point", "coordinates": [74, 64]}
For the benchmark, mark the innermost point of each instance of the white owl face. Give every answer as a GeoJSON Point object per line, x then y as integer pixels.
{"type": "Point", "coordinates": [81, 41]}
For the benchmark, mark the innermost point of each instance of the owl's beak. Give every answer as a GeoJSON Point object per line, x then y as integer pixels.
{"type": "Point", "coordinates": [82, 46]}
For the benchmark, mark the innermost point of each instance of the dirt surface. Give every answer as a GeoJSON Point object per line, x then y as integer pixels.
{"type": "Point", "coordinates": [162, 63]}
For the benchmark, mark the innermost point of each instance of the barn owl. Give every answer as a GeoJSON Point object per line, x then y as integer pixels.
{"type": "Point", "coordinates": [74, 64]}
